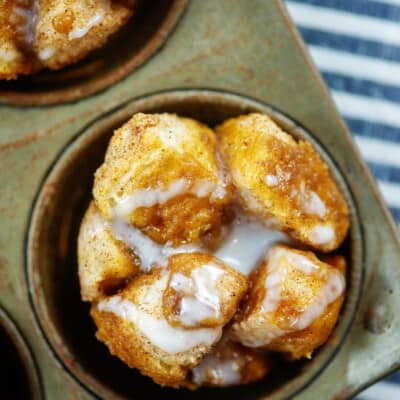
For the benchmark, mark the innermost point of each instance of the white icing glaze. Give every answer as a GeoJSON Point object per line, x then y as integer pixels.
{"type": "Point", "coordinates": [224, 179]}
{"type": "Point", "coordinates": [170, 339]}
{"type": "Point", "coordinates": [271, 180]}
{"type": "Point", "coordinates": [149, 252]}
{"type": "Point", "coordinates": [220, 191]}
{"type": "Point", "coordinates": [301, 263]}
{"type": "Point", "coordinates": [273, 286]}
{"type": "Point", "coordinates": [79, 32]}
{"type": "Point", "coordinates": [322, 234]}
{"type": "Point", "coordinates": [149, 197]}
{"type": "Point", "coordinates": [244, 246]}
{"type": "Point", "coordinates": [333, 284]}
{"type": "Point", "coordinates": [46, 53]}
{"type": "Point", "coordinates": [314, 205]}
{"type": "Point", "coordinates": [309, 201]}
{"type": "Point", "coordinates": [216, 371]}
{"type": "Point", "coordinates": [192, 311]}
{"type": "Point", "coordinates": [200, 298]}
{"type": "Point", "coordinates": [332, 287]}
{"type": "Point", "coordinates": [330, 291]}
{"type": "Point", "coordinates": [202, 188]}
{"type": "Point", "coordinates": [247, 243]}
{"type": "Point", "coordinates": [277, 274]}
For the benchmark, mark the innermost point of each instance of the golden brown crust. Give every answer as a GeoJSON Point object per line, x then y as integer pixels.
{"type": "Point", "coordinates": [285, 181]}
{"type": "Point", "coordinates": [159, 152]}
{"type": "Point", "coordinates": [230, 288]}
{"type": "Point", "coordinates": [160, 175]}
{"type": "Point", "coordinates": [336, 260]}
{"type": "Point", "coordinates": [298, 291]}
{"type": "Point", "coordinates": [301, 344]}
{"type": "Point", "coordinates": [15, 58]}
{"type": "Point", "coordinates": [126, 340]}
{"type": "Point", "coordinates": [93, 22]}
{"type": "Point", "coordinates": [36, 35]}
{"type": "Point", "coordinates": [104, 263]}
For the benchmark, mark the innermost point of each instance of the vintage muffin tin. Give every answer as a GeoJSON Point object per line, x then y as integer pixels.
{"type": "Point", "coordinates": [223, 58]}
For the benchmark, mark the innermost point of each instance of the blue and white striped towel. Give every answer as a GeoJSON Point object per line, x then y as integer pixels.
{"type": "Point", "coordinates": [356, 46]}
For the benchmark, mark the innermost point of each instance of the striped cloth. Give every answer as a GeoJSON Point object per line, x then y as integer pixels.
{"type": "Point", "coordinates": [356, 46]}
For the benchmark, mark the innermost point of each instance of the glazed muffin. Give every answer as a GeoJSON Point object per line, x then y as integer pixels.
{"type": "Point", "coordinates": [16, 53]}
{"type": "Point", "coordinates": [284, 181]}
{"type": "Point", "coordinates": [135, 324]}
{"type": "Point", "coordinates": [292, 305]}
{"type": "Point", "coordinates": [202, 291]}
{"type": "Point", "coordinates": [198, 249]}
{"type": "Point", "coordinates": [105, 263]}
{"type": "Point", "coordinates": [161, 175]}
{"type": "Point", "coordinates": [55, 33]}
{"type": "Point", "coordinates": [67, 30]}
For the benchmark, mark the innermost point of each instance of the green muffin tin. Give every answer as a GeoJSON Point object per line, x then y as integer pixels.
{"type": "Point", "coordinates": [218, 59]}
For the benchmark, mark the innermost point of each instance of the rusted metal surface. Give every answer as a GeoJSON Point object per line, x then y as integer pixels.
{"type": "Point", "coordinates": [225, 45]}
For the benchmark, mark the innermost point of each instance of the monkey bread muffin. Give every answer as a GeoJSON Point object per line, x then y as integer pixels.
{"type": "Point", "coordinates": [210, 256]}
{"type": "Point", "coordinates": [37, 34]}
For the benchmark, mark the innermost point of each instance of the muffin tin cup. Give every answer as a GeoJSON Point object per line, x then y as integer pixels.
{"type": "Point", "coordinates": [51, 265]}
{"type": "Point", "coordinates": [128, 49]}
{"type": "Point", "coordinates": [18, 365]}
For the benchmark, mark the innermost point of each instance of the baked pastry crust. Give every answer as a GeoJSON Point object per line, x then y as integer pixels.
{"type": "Point", "coordinates": [169, 161]}
{"type": "Point", "coordinates": [170, 366]}
{"type": "Point", "coordinates": [284, 181]}
{"type": "Point", "coordinates": [189, 276]}
{"type": "Point", "coordinates": [68, 30]}
{"type": "Point", "coordinates": [104, 262]}
{"type": "Point", "coordinates": [293, 303]}
{"type": "Point", "coordinates": [16, 58]}
{"type": "Point", "coordinates": [37, 34]}
{"type": "Point", "coordinates": [165, 245]}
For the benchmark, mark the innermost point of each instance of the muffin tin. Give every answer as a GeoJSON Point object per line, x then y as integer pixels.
{"type": "Point", "coordinates": [223, 58]}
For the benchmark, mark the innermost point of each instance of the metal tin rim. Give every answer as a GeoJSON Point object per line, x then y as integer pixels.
{"type": "Point", "coordinates": [324, 357]}
{"type": "Point", "coordinates": [25, 353]}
